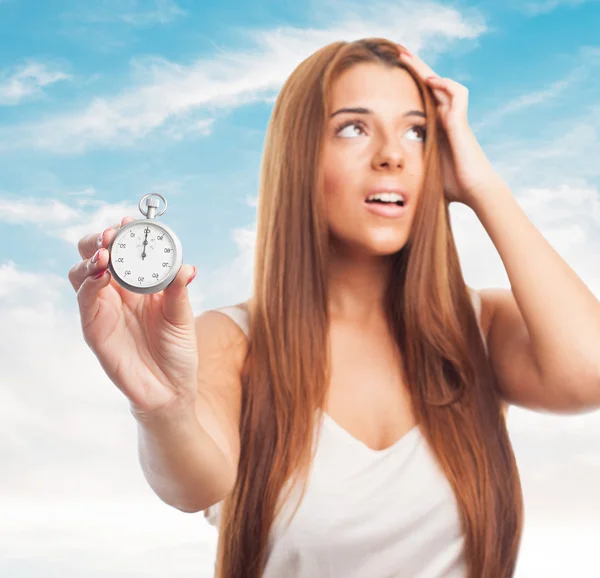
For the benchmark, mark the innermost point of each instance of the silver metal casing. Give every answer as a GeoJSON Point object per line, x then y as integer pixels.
{"type": "Point", "coordinates": [178, 262]}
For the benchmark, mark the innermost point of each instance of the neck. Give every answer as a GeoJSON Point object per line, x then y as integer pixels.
{"type": "Point", "coordinates": [357, 285]}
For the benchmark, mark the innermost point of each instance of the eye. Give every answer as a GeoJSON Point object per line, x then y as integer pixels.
{"type": "Point", "coordinates": [349, 123]}
{"type": "Point", "coordinates": [421, 129]}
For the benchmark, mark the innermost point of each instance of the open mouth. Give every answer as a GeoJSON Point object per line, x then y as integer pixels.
{"type": "Point", "coordinates": [389, 209]}
{"type": "Point", "coordinates": [380, 202]}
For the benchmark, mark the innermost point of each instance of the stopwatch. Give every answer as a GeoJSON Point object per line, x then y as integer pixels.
{"type": "Point", "coordinates": [145, 255]}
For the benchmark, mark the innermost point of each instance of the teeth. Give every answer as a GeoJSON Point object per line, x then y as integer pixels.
{"type": "Point", "coordinates": [386, 197]}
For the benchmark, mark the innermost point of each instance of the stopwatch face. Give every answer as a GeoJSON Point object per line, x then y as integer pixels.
{"type": "Point", "coordinates": [145, 256]}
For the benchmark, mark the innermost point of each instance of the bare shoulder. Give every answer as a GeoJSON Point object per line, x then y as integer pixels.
{"type": "Point", "coordinates": [222, 350]}
{"type": "Point", "coordinates": [217, 330]}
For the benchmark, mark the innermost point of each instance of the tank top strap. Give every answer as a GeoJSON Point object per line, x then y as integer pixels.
{"type": "Point", "coordinates": [238, 314]}
{"type": "Point", "coordinates": [476, 299]}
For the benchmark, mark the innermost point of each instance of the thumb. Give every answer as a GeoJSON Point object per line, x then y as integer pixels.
{"type": "Point", "coordinates": [177, 308]}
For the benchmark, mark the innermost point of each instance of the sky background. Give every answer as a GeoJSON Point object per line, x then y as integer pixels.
{"type": "Point", "coordinates": [102, 102]}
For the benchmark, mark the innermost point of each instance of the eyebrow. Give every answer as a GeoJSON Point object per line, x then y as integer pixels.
{"type": "Point", "coordinates": [361, 110]}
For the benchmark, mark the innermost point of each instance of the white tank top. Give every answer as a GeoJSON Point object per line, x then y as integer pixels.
{"type": "Point", "coordinates": [367, 513]}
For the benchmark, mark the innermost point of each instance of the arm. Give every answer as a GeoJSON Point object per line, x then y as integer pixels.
{"type": "Point", "coordinates": [544, 336]}
{"type": "Point", "coordinates": [190, 453]}
{"type": "Point", "coordinates": [181, 461]}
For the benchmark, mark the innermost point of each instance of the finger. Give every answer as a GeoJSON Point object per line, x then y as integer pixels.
{"type": "Point", "coordinates": [95, 256]}
{"type": "Point", "coordinates": [90, 243]}
{"type": "Point", "coordinates": [422, 69]}
{"type": "Point", "coordinates": [87, 295]}
{"type": "Point", "coordinates": [177, 308]}
{"type": "Point", "coordinates": [106, 237]}
{"type": "Point", "coordinates": [440, 83]}
{"type": "Point", "coordinates": [441, 89]}
{"type": "Point", "coordinates": [453, 88]}
{"type": "Point", "coordinates": [88, 268]}
{"type": "Point", "coordinates": [450, 93]}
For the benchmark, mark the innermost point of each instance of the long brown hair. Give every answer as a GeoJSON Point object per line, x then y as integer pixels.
{"type": "Point", "coordinates": [285, 379]}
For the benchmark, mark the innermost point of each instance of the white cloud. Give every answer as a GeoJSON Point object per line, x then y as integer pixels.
{"type": "Point", "coordinates": [188, 127]}
{"type": "Point", "coordinates": [587, 62]}
{"type": "Point", "coordinates": [40, 212]}
{"type": "Point", "coordinates": [567, 215]}
{"type": "Point", "coordinates": [164, 91]}
{"type": "Point", "coordinates": [27, 81]}
{"type": "Point", "coordinates": [60, 220]}
{"type": "Point", "coordinates": [537, 7]}
{"type": "Point", "coordinates": [569, 549]}
{"type": "Point", "coordinates": [69, 454]}
{"type": "Point", "coordinates": [525, 101]}
{"type": "Point", "coordinates": [133, 12]}
{"type": "Point", "coordinates": [564, 150]}
{"type": "Point", "coordinates": [566, 154]}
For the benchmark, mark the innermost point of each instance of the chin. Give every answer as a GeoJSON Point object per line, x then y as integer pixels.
{"type": "Point", "coordinates": [388, 245]}
{"type": "Point", "coordinates": [375, 243]}
{"type": "Point", "coordinates": [379, 249]}
{"type": "Point", "coordinates": [387, 251]}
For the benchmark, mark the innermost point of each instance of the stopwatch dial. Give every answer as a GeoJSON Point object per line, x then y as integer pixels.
{"type": "Point", "coordinates": [143, 255]}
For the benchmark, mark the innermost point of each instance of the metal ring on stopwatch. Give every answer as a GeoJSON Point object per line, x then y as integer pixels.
{"type": "Point", "coordinates": [152, 195]}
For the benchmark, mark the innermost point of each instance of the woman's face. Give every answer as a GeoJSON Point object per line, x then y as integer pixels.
{"type": "Point", "coordinates": [381, 147]}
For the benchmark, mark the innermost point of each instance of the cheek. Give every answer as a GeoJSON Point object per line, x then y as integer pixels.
{"type": "Point", "coordinates": [337, 179]}
{"type": "Point", "coordinates": [414, 173]}
{"type": "Point", "coordinates": [334, 187]}
{"type": "Point", "coordinates": [338, 194]}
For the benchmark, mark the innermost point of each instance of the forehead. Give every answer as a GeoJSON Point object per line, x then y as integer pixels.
{"type": "Point", "coordinates": [374, 83]}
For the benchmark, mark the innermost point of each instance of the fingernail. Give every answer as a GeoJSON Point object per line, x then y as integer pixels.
{"type": "Point", "coordinates": [96, 256]}
{"type": "Point", "coordinates": [193, 276]}
{"type": "Point", "coordinates": [97, 276]}
{"type": "Point", "coordinates": [405, 52]}
{"type": "Point", "coordinates": [102, 236]}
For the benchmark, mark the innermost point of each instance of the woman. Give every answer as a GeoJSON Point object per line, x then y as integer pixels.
{"type": "Point", "coordinates": [348, 420]}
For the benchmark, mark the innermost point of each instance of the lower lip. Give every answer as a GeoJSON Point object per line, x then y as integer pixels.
{"type": "Point", "coordinates": [391, 210]}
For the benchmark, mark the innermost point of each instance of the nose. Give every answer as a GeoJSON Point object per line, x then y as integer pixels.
{"type": "Point", "coordinates": [389, 156]}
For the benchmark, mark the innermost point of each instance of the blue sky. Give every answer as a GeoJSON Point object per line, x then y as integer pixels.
{"type": "Point", "coordinates": [103, 102]}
